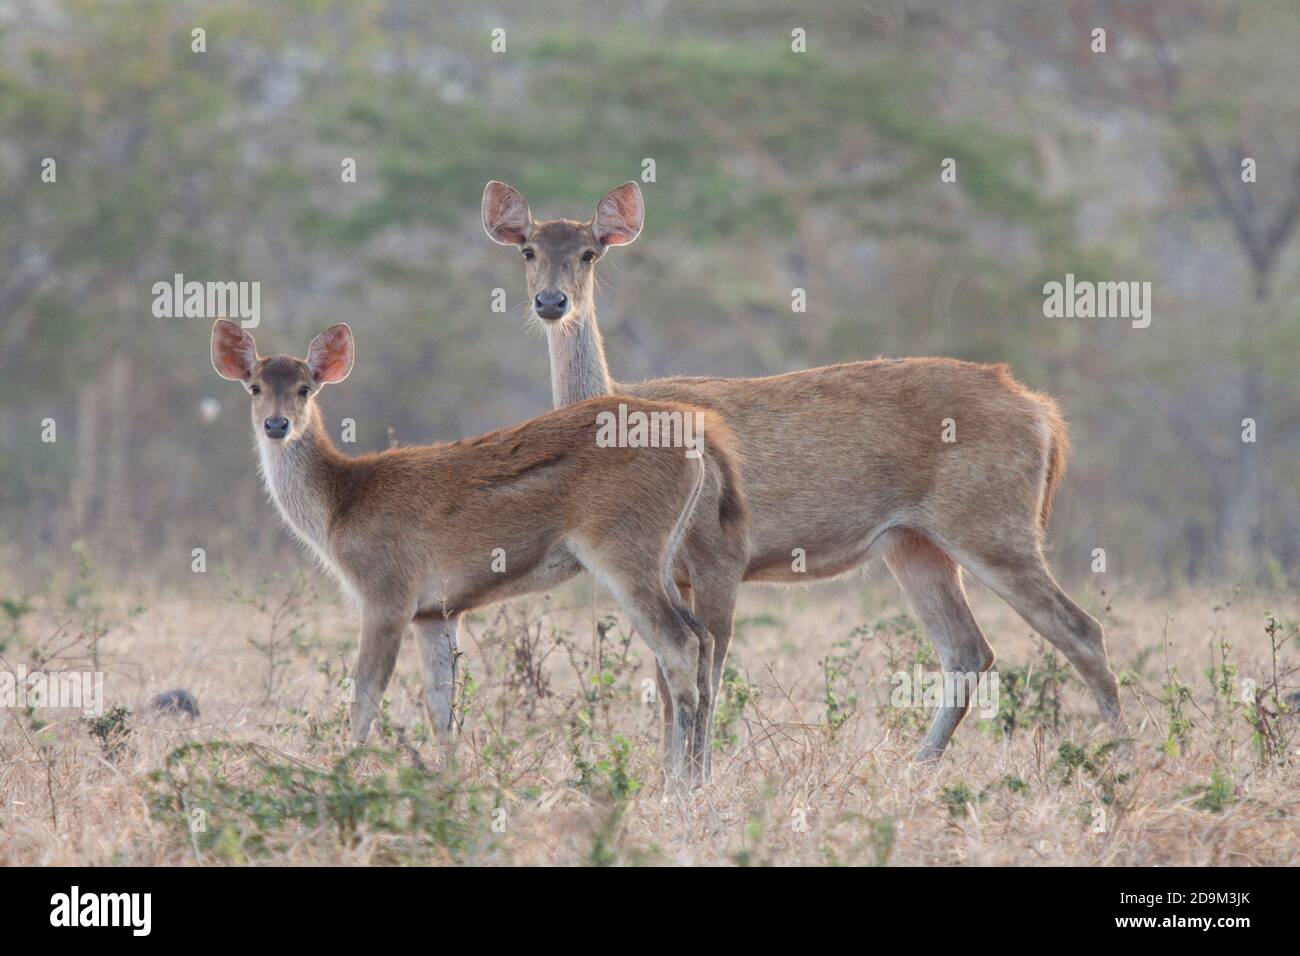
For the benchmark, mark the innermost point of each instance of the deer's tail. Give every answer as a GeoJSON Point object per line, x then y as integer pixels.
{"type": "Point", "coordinates": [1058, 450]}
{"type": "Point", "coordinates": [717, 444]}
{"type": "Point", "coordinates": [733, 512]}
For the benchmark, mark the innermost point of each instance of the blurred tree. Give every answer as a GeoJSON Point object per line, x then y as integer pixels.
{"type": "Point", "coordinates": [774, 170]}
{"type": "Point", "coordinates": [1218, 82]}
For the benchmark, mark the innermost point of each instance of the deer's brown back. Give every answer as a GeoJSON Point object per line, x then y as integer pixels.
{"type": "Point", "coordinates": [525, 485]}
{"type": "Point", "coordinates": [832, 454]}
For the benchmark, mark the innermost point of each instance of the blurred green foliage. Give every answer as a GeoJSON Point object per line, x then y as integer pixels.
{"type": "Point", "coordinates": [774, 170]}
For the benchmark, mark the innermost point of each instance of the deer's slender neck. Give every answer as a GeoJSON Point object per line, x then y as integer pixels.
{"type": "Point", "coordinates": [578, 369]}
{"type": "Point", "coordinates": [301, 477]}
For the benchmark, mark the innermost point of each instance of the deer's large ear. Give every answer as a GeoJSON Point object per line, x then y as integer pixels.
{"type": "Point", "coordinates": [619, 216]}
{"type": "Point", "coordinates": [331, 354]}
{"type": "Point", "coordinates": [505, 214]}
{"type": "Point", "coordinates": [234, 354]}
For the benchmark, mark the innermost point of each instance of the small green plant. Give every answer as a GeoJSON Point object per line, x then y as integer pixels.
{"type": "Point", "coordinates": [841, 703]}
{"type": "Point", "coordinates": [907, 654]}
{"type": "Point", "coordinates": [1013, 785]}
{"type": "Point", "coordinates": [603, 671]}
{"type": "Point", "coordinates": [958, 798]}
{"type": "Point", "coordinates": [1176, 698]}
{"type": "Point", "coordinates": [242, 802]}
{"type": "Point", "coordinates": [467, 693]}
{"type": "Point", "coordinates": [283, 600]}
{"type": "Point", "coordinates": [610, 779]}
{"type": "Point", "coordinates": [841, 676]}
{"type": "Point", "coordinates": [1132, 675]}
{"type": "Point", "coordinates": [1270, 716]}
{"type": "Point", "coordinates": [15, 609]}
{"type": "Point", "coordinates": [609, 776]}
{"type": "Point", "coordinates": [1215, 796]}
{"type": "Point", "coordinates": [112, 729]}
{"type": "Point", "coordinates": [84, 597]}
{"type": "Point", "coordinates": [85, 583]}
{"type": "Point", "coordinates": [1031, 695]}
{"type": "Point", "coordinates": [1096, 764]}
{"type": "Point", "coordinates": [527, 679]}
{"type": "Point", "coordinates": [736, 693]}
{"type": "Point", "coordinates": [1222, 675]}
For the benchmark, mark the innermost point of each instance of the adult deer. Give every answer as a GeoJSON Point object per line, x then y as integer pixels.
{"type": "Point", "coordinates": [418, 535]}
{"type": "Point", "coordinates": [848, 460]}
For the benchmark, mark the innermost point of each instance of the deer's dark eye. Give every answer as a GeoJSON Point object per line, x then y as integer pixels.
{"type": "Point", "coordinates": [588, 256]}
{"type": "Point", "coordinates": [305, 391]}
{"type": "Point", "coordinates": [255, 389]}
{"type": "Point", "coordinates": [529, 255]}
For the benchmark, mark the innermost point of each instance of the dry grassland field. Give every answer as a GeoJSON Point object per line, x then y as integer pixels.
{"type": "Point", "coordinates": [558, 757]}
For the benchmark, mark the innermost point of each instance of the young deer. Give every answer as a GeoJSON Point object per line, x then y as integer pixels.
{"type": "Point", "coordinates": [849, 460]}
{"type": "Point", "coordinates": [412, 533]}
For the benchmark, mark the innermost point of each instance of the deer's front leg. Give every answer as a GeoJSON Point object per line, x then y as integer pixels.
{"type": "Point", "coordinates": [381, 638]}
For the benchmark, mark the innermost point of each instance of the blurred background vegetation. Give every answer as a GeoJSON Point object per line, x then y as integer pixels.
{"type": "Point", "coordinates": [774, 170]}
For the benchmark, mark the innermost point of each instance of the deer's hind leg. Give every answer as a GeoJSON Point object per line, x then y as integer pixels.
{"type": "Point", "coordinates": [436, 637]}
{"type": "Point", "coordinates": [708, 613]}
{"type": "Point", "coordinates": [661, 682]}
{"type": "Point", "coordinates": [932, 582]}
{"type": "Point", "coordinates": [1022, 579]}
{"type": "Point", "coordinates": [675, 638]}
{"type": "Point", "coordinates": [666, 709]}
{"type": "Point", "coordinates": [715, 608]}
{"type": "Point", "coordinates": [698, 741]}
{"type": "Point", "coordinates": [641, 587]}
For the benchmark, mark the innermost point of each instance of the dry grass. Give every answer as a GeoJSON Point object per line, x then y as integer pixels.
{"type": "Point", "coordinates": [544, 731]}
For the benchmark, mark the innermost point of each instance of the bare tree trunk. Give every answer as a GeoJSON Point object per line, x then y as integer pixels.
{"type": "Point", "coordinates": [117, 523]}
{"type": "Point", "coordinates": [1245, 500]}
{"type": "Point", "coordinates": [85, 484]}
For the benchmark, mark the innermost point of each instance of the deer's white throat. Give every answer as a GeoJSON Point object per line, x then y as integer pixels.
{"type": "Point", "coordinates": [578, 369]}
{"type": "Point", "coordinates": [291, 471]}
{"type": "Point", "coordinates": [297, 475]}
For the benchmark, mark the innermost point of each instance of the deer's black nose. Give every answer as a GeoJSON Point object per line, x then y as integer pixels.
{"type": "Point", "coordinates": [551, 305]}
{"type": "Point", "coordinates": [276, 427]}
